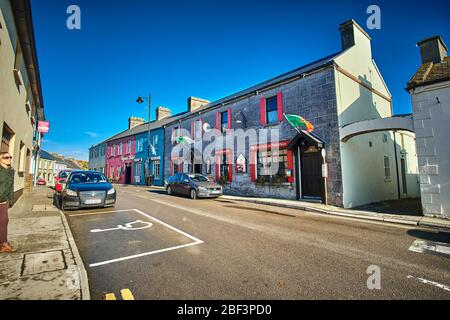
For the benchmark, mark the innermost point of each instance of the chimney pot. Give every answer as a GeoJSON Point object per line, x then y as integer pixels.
{"type": "Point", "coordinates": [196, 103]}
{"type": "Point", "coordinates": [432, 49]}
{"type": "Point", "coordinates": [162, 113]}
{"type": "Point", "coordinates": [134, 122]}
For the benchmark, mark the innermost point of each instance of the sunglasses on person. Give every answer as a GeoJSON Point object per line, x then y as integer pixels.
{"type": "Point", "coordinates": [7, 158]}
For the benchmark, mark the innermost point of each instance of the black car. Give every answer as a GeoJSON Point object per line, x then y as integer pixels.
{"type": "Point", "coordinates": [87, 189]}
{"type": "Point", "coordinates": [193, 185]}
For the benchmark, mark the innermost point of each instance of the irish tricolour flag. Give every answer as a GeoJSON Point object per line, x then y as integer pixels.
{"type": "Point", "coordinates": [299, 122]}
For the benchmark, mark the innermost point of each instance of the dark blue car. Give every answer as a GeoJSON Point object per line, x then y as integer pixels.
{"type": "Point", "coordinates": [87, 189]}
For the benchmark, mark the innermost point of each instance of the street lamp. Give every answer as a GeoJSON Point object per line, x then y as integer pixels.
{"type": "Point", "coordinates": [141, 100]}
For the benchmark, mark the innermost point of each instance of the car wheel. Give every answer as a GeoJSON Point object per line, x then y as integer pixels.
{"type": "Point", "coordinates": [169, 190]}
{"type": "Point", "coordinates": [193, 194]}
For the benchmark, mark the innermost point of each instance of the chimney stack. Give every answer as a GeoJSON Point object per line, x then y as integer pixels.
{"type": "Point", "coordinates": [432, 50]}
{"type": "Point", "coordinates": [162, 113]}
{"type": "Point", "coordinates": [352, 34]}
{"type": "Point", "coordinates": [195, 103]}
{"type": "Point", "coordinates": [133, 122]}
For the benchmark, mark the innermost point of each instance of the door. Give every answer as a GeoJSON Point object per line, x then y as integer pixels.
{"type": "Point", "coordinates": [311, 172]}
{"type": "Point", "coordinates": [185, 186]}
{"type": "Point", "coordinates": [128, 174]}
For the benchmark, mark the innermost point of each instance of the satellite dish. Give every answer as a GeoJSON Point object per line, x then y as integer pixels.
{"type": "Point", "coordinates": [206, 127]}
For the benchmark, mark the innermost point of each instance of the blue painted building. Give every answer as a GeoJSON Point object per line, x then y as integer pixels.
{"type": "Point", "coordinates": [153, 163]}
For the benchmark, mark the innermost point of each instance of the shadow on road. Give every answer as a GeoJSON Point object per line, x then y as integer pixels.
{"type": "Point", "coordinates": [438, 236]}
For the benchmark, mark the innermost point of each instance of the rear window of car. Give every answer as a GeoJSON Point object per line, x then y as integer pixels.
{"type": "Point", "coordinates": [64, 174]}
{"type": "Point", "coordinates": [87, 178]}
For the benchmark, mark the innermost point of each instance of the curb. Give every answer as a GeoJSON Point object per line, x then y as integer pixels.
{"type": "Point", "coordinates": [84, 282]}
{"type": "Point", "coordinates": [380, 218]}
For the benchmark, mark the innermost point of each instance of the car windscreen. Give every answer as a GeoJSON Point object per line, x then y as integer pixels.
{"type": "Point", "coordinates": [87, 178]}
{"type": "Point", "coordinates": [198, 178]}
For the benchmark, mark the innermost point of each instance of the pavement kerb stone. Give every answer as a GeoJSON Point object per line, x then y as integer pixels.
{"type": "Point", "coordinates": [84, 282]}
{"type": "Point", "coordinates": [411, 221]}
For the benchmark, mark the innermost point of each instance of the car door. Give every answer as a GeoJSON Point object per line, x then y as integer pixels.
{"type": "Point", "coordinates": [175, 183]}
{"type": "Point", "coordinates": [185, 185]}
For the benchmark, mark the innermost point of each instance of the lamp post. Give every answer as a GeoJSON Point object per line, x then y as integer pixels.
{"type": "Point", "coordinates": [141, 100]}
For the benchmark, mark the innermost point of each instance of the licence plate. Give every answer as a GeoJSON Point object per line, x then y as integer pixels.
{"type": "Point", "coordinates": [215, 192]}
{"type": "Point", "coordinates": [93, 201]}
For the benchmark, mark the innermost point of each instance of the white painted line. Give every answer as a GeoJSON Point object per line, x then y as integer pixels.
{"type": "Point", "coordinates": [433, 283]}
{"type": "Point", "coordinates": [422, 246]}
{"type": "Point", "coordinates": [144, 254]}
{"type": "Point", "coordinates": [97, 212]}
{"type": "Point", "coordinates": [169, 226]}
{"type": "Point", "coordinates": [196, 242]}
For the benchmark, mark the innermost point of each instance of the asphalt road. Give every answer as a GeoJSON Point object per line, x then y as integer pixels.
{"type": "Point", "coordinates": [177, 248]}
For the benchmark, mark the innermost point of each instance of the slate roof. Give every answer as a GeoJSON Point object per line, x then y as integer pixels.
{"type": "Point", "coordinates": [144, 127]}
{"type": "Point", "coordinates": [48, 156]}
{"type": "Point", "coordinates": [283, 77]}
{"type": "Point", "coordinates": [429, 73]}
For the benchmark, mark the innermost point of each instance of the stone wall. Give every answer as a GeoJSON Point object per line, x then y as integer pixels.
{"type": "Point", "coordinates": [312, 97]}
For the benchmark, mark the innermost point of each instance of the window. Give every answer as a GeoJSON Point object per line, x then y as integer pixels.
{"type": "Point", "coordinates": [208, 166]}
{"type": "Point", "coordinates": [156, 169]}
{"type": "Point", "coordinates": [198, 129]}
{"type": "Point", "coordinates": [224, 121]}
{"type": "Point", "coordinates": [113, 150]}
{"type": "Point", "coordinates": [272, 110]}
{"type": "Point", "coordinates": [22, 157]}
{"type": "Point", "coordinates": [387, 169]}
{"type": "Point", "coordinates": [186, 167]}
{"type": "Point", "coordinates": [128, 147]}
{"type": "Point", "coordinates": [269, 160]}
{"type": "Point", "coordinates": [138, 169]}
{"type": "Point", "coordinates": [7, 138]}
{"type": "Point", "coordinates": [111, 173]}
{"type": "Point", "coordinates": [224, 167]}
{"type": "Point", "coordinates": [120, 149]}
{"type": "Point", "coordinates": [140, 145]}
{"type": "Point", "coordinates": [96, 152]}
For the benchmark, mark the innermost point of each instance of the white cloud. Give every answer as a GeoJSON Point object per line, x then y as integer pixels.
{"type": "Point", "coordinates": [92, 134]}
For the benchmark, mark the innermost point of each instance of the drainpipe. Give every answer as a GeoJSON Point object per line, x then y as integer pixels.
{"type": "Point", "coordinates": [396, 165]}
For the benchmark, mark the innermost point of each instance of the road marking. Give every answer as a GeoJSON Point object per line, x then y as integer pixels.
{"type": "Point", "coordinates": [196, 242]}
{"type": "Point", "coordinates": [433, 283]}
{"type": "Point", "coordinates": [98, 212]}
{"type": "Point", "coordinates": [127, 227]}
{"type": "Point", "coordinates": [126, 294]}
{"type": "Point", "coordinates": [422, 246]}
{"type": "Point", "coordinates": [109, 296]}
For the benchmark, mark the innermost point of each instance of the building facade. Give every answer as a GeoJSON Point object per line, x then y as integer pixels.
{"type": "Point", "coordinates": [97, 157]}
{"type": "Point", "coordinates": [47, 167]}
{"type": "Point", "coordinates": [21, 103]}
{"type": "Point", "coordinates": [338, 91]}
{"type": "Point", "coordinates": [430, 93]}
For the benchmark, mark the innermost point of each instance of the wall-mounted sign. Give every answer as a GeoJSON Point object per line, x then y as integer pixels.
{"type": "Point", "coordinates": [241, 164]}
{"type": "Point", "coordinates": [43, 126]}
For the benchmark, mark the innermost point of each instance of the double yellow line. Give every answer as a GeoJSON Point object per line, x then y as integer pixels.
{"type": "Point", "coordinates": [125, 293]}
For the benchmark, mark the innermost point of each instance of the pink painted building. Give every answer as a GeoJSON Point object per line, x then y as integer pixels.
{"type": "Point", "coordinates": [120, 154]}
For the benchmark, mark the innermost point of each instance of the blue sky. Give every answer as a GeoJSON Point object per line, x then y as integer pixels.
{"type": "Point", "coordinates": [209, 49]}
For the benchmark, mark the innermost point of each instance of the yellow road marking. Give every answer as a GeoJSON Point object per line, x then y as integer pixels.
{"type": "Point", "coordinates": [109, 296]}
{"type": "Point", "coordinates": [126, 294]}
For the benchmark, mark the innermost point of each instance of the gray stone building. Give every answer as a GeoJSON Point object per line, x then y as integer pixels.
{"type": "Point", "coordinates": [430, 93]}
{"type": "Point", "coordinates": [339, 90]}
{"type": "Point", "coordinates": [97, 157]}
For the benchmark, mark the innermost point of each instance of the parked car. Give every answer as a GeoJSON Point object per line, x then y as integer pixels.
{"type": "Point", "coordinates": [87, 189]}
{"type": "Point", "coordinates": [193, 185]}
{"type": "Point", "coordinates": [60, 178]}
{"type": "Point", "coordinates": [41, 182]}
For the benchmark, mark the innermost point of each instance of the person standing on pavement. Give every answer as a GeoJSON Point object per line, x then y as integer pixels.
{"type": "Point", "coordinates": [6, 199]}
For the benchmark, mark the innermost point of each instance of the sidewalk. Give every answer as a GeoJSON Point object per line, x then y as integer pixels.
{"type": "Point", "coordinates": [421, 221]}
{"type": "Point", "coordinates": [47, 265]}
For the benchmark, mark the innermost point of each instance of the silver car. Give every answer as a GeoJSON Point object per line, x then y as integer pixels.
{"type": "Point", "coordinates": [193, 185]}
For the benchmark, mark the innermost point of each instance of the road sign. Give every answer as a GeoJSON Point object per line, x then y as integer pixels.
{"type": "Point", "coordinates": [43, 126]}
